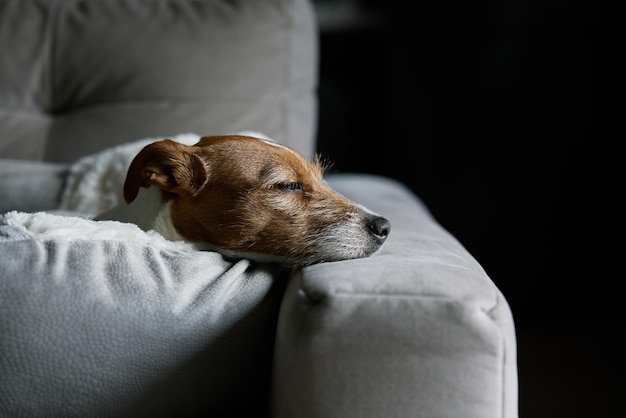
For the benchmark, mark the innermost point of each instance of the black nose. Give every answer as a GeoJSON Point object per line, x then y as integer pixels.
{"type": "Point", "coordinates": [380, 227]}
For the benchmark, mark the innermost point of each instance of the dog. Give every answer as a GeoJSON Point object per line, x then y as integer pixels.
{"type": "Point", "coordinates": [246, 197]}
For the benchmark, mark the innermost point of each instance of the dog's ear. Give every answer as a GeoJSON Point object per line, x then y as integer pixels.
{"type": "Point", "coordinates": [168, 165]}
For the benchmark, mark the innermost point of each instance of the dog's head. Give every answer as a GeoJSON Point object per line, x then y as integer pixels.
{"type": "Point", "coordinates": [252, 198]}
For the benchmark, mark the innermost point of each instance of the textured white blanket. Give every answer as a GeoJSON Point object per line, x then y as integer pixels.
{"type": "Point", "coordinates": [43, 226]}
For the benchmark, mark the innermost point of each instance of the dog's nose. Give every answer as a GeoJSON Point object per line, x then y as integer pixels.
{"type": "Point", "coordinates": [379, 227]}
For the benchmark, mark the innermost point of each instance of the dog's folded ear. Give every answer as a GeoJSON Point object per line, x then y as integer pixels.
{"type": "Point", "coordinates": [168, 165]}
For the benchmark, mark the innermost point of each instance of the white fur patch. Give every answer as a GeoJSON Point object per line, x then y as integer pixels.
{"type": "Point", "coordinates": [256, 134]}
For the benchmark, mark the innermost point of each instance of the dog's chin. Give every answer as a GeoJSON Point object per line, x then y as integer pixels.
{"type": "Point", "coordinates": [233, 255]}
{"type": "Point", "coordinates": [317, 256]}
{"type": "Point", "coordinates": [340, 253]}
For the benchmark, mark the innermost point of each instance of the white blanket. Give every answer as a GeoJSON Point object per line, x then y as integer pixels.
{"type": "Point", "coordinates": [43, 227]}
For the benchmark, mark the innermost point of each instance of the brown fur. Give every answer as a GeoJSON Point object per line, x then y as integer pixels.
{"type": "Point", "coordinates": [248, 197]}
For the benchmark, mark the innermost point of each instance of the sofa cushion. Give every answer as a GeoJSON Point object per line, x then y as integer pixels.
{"type": "Point", "coordinates": [31, 186]}
{"type": "Point", "coordinates": [417, 329]}
{"type": "Point", "coordinates": [78, 76]}
{"type": "Point", "coordinates": [103, 318]}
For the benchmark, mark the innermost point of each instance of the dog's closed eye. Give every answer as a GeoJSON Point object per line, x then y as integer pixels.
{"type": "Point", "coordinates": [289, 186]}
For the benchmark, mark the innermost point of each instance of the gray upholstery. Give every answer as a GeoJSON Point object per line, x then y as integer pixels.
{"type": "Point", "coordinates": [416, 330]}
{"type": "Point", "coordinates": [30, 186]}
{"type": "Point", "coordinates": [125, 328]}
{"type": "Point", "coordinates": [78, 76]}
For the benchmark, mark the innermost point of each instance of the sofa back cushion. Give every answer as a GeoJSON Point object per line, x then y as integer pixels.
{"type": "Point", "coordinates": [79, 76]}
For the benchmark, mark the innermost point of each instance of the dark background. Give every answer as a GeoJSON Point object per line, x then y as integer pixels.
{"type": "Point", "coordinates": [506, 119]}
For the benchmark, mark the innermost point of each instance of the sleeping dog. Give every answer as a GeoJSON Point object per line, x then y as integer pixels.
{"type": "Point", "coordinates": [246, 197]}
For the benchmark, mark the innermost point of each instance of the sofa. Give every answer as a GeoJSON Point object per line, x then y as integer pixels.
{"type": "Point", "coordinates": [99, 319]}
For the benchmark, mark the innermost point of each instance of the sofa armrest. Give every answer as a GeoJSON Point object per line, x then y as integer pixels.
{"type": "Point", "coordinates": [417, 329]}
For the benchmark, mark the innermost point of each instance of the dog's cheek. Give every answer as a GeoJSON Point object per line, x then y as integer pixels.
{"type": "Point", "coordinates": [211, 219]}
{"type": "Point", "coordinates": [277, 224]}
{"type": "Point", "coordinates": [326, 211]}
